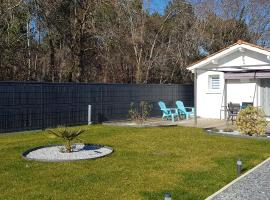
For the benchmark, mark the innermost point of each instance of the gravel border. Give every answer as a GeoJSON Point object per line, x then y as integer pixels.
{"type": "Point", "coordinates": [24, 154]}
{"type": "Point", "coordinates": [253, 185]}
{"type": "Point", "coordinates": [209, 132]}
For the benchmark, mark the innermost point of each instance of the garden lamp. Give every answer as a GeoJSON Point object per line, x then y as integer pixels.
{"type": "Point", "coordinates": [168, 196]}
{"type": "Point", "coordinates": [239, 167]}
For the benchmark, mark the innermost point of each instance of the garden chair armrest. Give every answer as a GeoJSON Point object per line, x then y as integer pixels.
{"type": "Point", "coordinates": [190, 108]}
{"type": "Point", "coordinates": [166, 110]}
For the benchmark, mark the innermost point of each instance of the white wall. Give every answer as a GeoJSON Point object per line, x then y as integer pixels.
{"type": "Point", "coordinates": [209, 103]}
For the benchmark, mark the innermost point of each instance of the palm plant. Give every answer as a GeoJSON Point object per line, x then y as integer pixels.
{"type": "Point", "coordinates": [67, 134]}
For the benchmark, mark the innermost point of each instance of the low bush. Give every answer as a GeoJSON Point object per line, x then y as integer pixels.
{"type": "Point", "coordinates": [141, 114]}
{"type": "Point", "coordinates": [251, 121]}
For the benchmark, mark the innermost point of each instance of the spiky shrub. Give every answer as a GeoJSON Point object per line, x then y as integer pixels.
{"type": "Point", "coordinates": [67, 134]}
{"type": "Point", "coordinates": [251, 121]}
{"type": "Point", "coordinates": [140, 115]}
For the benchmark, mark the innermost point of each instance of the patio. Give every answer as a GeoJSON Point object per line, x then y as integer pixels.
{"type": "Point", "coordinates": [204, 123]}
{"type": "Point", "coordinates": [154, 121]}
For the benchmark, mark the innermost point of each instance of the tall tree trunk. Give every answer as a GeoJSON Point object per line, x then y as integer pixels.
{"type": "Point", "coordinates": [138, 75]}
{"type": "Point", "coordinates": [29, 50]}
{"type": "Point", "coordinates": [82, 75]}
{"type": "Point", "coordinates": [52, 60]}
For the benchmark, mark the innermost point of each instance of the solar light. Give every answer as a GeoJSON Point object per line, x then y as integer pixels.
{"type": "Point", "coordinates": [239, 167]}
{"type": "Point", "coordinates": [168, 196]}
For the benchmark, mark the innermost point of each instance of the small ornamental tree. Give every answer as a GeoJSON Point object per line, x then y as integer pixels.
{"type": "Point", "coordinates": [140, 115]}
{"type": "Point", "coordinates": [251, 121]}
{"type": "Point", "coordinates": [67, 134]}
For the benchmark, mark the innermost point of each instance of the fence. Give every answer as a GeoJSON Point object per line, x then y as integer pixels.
{"type": "Point", "coordinates": [28, 105]}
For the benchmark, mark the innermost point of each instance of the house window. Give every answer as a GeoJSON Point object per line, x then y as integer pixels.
{"type": "Point", "coordinates": [213, 82]}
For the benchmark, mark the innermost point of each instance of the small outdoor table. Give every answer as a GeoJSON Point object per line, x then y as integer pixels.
{"type": "Point", "coordinates": [174, 113]}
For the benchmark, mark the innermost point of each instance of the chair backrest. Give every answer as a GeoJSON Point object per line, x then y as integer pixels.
{"type": "Point", "coordinates": [162, 106]}
{"type": "Point", "coordinates": [180, 106]}
{"type": "Point", "coordinates": [234, 107]}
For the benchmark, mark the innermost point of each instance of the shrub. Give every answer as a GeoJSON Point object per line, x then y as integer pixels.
{"type": "Point", "coordinates": [140, 115]}
{"type": "Point", "coordinates": [67, 134]}
{"type": "Point", "coordinates": [251, 121]}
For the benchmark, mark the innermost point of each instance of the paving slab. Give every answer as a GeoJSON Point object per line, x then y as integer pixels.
{"type": "Point", "coordinates": [202, 123]}
{"type": "Point", "coordinates": [253, 185]}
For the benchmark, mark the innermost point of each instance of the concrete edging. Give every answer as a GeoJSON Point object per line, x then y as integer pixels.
{"type": "Point", "coordinates": [237, 179]}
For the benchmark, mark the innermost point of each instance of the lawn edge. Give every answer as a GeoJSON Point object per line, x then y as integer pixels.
{"type": "Point", "coordinates": [237, 179]}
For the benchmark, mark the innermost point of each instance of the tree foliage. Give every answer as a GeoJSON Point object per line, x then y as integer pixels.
{"type": "Point", "coordinates": [120, 41]}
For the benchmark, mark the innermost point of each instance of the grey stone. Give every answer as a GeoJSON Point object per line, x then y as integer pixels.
{"type": "Point", "coordinates": [253, 186]}
{"type": "Point", "coordinates": [80, 152]}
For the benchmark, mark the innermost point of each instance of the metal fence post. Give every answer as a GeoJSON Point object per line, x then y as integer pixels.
{"type": "Point", "coordinates": [89, 114]}
{"type": "Point", "coordinates": [42, 106]}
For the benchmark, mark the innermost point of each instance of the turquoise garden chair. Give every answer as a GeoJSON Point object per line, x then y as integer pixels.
{"type": "Point", "coordinates": [167, 113]}
{"type": "Point", "coordinates": [186, 111]}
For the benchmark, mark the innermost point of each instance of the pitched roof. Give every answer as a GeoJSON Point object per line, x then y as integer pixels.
{"type": "Point", "coordinates": [239, 42]}
{"type": "Point", "coordinates": [253, 45]}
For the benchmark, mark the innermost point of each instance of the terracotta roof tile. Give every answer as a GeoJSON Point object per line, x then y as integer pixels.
{"type": "Point", "coordinates": [253, 45]}
{"type": "Point", "coordinates": [240, 42]}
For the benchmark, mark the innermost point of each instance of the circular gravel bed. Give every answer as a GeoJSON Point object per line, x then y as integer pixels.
{"type": "Point", "coordinates": [80, 152]}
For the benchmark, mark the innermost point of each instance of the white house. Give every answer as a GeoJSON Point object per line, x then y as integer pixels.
{"type": "Point", "coordinates": [239, 73]}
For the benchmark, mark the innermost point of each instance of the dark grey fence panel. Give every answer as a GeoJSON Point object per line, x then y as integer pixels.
{"type": "Point", "coordinates": [27, 105]}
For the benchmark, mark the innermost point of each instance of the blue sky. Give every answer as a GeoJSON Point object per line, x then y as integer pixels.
{"type": "Point", "coordinates": [160, 5]}
{"type": "Point", "coordinates": [157, 5]}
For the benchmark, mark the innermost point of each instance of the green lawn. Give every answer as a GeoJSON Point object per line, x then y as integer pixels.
{"type": "Point", "coordinates": [146, 163]}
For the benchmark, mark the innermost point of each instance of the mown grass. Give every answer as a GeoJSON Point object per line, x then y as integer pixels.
{"type": "Point", "coordinates": [146, 163]}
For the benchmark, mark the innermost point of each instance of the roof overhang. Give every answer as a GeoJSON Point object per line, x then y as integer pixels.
{"type": "Point", "coordinates": [247, 75]}
{"type": "Point", "coordinates": [242, 68]}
